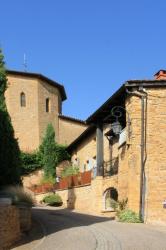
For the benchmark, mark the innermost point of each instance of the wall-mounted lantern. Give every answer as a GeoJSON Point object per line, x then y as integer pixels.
{"type": "Point", "coordinates": [110, 135]}
{"type": "Point", "coordinates": [117, 112]}
{"type": "Point", "coordinates": [116, 127]}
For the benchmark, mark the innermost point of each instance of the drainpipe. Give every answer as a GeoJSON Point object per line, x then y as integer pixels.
{"type": "Point", "coordinates": [141, 94]}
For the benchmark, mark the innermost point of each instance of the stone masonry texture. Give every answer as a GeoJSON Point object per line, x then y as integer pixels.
{"type": "Point", "coordinates": [9, 226]}
{"type": "Point", "coordinates": [30, 122]}
{"type": "Point", "coordinates": [128, 178]}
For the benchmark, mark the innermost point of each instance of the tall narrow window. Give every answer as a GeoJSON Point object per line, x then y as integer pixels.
{"type": "Point", "coordinates": [47, 105]}
{"type": "Point", "coordinates": [22, 100]}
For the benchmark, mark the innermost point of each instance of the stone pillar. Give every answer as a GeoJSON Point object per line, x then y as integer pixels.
{"type": "Point", "coordinates": [99, 157]}
{"type": "Point", "coordinates": [97, 194]}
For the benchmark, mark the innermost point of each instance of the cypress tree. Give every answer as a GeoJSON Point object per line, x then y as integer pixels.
{"type": "Point", "coordinates": [9, 150]}
{"type": "Point", "coordinates": [47, 152]}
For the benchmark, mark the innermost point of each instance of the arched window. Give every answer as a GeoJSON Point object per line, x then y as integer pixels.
{"type": "Point", "coordinates": [47, 105]}
{"type": "Point", "coordinates": [22, 100]}
{"type": "Point", "coordinates": [110, 196]}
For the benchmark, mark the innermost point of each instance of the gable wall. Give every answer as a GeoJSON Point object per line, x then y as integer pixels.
{"type": "Point", "coordinates": [69, 130]}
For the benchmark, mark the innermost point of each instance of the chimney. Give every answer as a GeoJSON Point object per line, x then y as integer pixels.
{"type": "Point", "coordinates": [160, 75]}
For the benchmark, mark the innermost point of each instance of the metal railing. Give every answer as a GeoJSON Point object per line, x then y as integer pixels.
{"type": "Point", "coordinates": [111, 167]}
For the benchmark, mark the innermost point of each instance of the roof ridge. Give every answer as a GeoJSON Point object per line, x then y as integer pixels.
{"type": "Point", "coordinates": [72, 118]}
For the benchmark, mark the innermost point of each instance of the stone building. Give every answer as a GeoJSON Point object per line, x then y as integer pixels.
{"type": "Point", "coordinates": [122, 143]}
{"type": "Point", "coordinates": [33, 101]}
{"type": "Point", "coordinates": [125, 147]}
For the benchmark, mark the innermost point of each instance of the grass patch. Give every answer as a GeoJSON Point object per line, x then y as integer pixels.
{"type": "Point", "coordinates": [128, 215]}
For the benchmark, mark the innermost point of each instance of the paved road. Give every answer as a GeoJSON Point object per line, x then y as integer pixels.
{"type": "Point", "coordinates": [66, 230]}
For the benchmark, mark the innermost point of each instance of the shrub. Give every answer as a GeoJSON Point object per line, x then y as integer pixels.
{"type": "Point", "coordinates": [69, 171]}
{"type": "Point", "coordinates": [48, 179]}
{"type": "Point", "coordinates": [128, 215]}
{"type": "Point", "coordinates": [61, 153]}
{"type": "Point", "coordinates": [122, 204]}
{"type": "Point", "coordinates": [118, 206]}
{"type": "Point", "coordinates": [30, 162]}
{"type": "Point", "coordinates": [53, 200]}
{"type": "Point", "coordinates": [18, 195]}
{"type": "Point", "coordinates": [10, 161]}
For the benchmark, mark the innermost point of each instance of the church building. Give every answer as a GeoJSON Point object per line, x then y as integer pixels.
{"type": "Point", "coordinates": [33, 101]}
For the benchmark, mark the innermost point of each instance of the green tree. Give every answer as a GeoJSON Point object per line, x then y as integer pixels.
{"type": "Point", "coordinates": [9, 150]}
{"type": "Point", "coordinates": [47, 152]}
{"type": "Point", "coordinates": [51, 153]}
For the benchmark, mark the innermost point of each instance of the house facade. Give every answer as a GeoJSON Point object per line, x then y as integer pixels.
{"type": "Point", "coordinates": [124, 147]}
{"type": "Point", "coordinates": [33, 101]}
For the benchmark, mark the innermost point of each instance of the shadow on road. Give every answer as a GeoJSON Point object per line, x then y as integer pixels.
{"type": "Point", "coordinates": [53, 220]}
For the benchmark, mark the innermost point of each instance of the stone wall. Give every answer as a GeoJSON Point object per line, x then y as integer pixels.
{"type": "Point", "coordinates": [30, 122]}
{"type": "Point", "coordinates": [24, 119]}
{"type": "Point", "coordinates": [156, 156]}
{"type": "Point", "coordinates": [86, 199]}
{"type": "Point", "coordinates": [69, 130]}
{"type": "Point", "coordinates": [155, 160]}
{"type": "Point", "coordinates": [32, 179]}
{"type": "Point", "coordinates": [128, 178]}
{"type": "Point", "coordinates": [85, 151]}
{"type": "Point", "coordinates": [47, 91]}
{"type": "Point", "coordinates": [9, 226]}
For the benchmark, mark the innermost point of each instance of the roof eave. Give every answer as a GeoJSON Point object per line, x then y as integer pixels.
{"type": "Point", "coordinates": [40, 76]}
{"type": "Point", "coordinates": [91, 118]}
{"type": "Point", "coordinates": [72, 119]}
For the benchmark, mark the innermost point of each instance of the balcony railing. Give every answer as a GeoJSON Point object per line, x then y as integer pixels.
{"type": "Point", "coordinates": [111, 167]}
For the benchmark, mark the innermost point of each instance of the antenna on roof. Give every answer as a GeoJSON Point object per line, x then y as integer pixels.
{"type": "Point", "coordinates": [25, 63]}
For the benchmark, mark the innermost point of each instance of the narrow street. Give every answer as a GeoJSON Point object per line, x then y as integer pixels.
{"type": "Point", "coordinates": [65, 230]}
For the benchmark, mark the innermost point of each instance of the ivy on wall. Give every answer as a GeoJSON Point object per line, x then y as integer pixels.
{"type": "Point", "coordinates": [30, 162]}
{"type": "Point", "coordinates": [49, 155]}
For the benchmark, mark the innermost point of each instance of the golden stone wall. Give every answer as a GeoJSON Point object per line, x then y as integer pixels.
{"type": "Point", "coordinates": [47, 91]}
{"type": "Point", "coordinates": [9, 226]}
{"type": "Point", "coordinates": [86, 151]}
{"type": "Point", "coordinates": [32, 179]}
{"type": "Point", "coordinates": [127, 181]}
{"type": "Point", "coordinates": [69, 130]}
{"type": "Point", "coordinates": [156, 156]}
{"type": "Point", "coordinates": [24, 119]}
{"type": "Point", "coordinates": [30, 122]}
{"type": "Point", "coordinates": [86, 199]}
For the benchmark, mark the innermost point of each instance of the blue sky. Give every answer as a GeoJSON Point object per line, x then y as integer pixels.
{"type": "Point", "coordinates": [90, 46]}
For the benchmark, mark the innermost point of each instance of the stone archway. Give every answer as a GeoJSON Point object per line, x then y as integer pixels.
{"type": "Point", "coordinates": [110, 194]}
